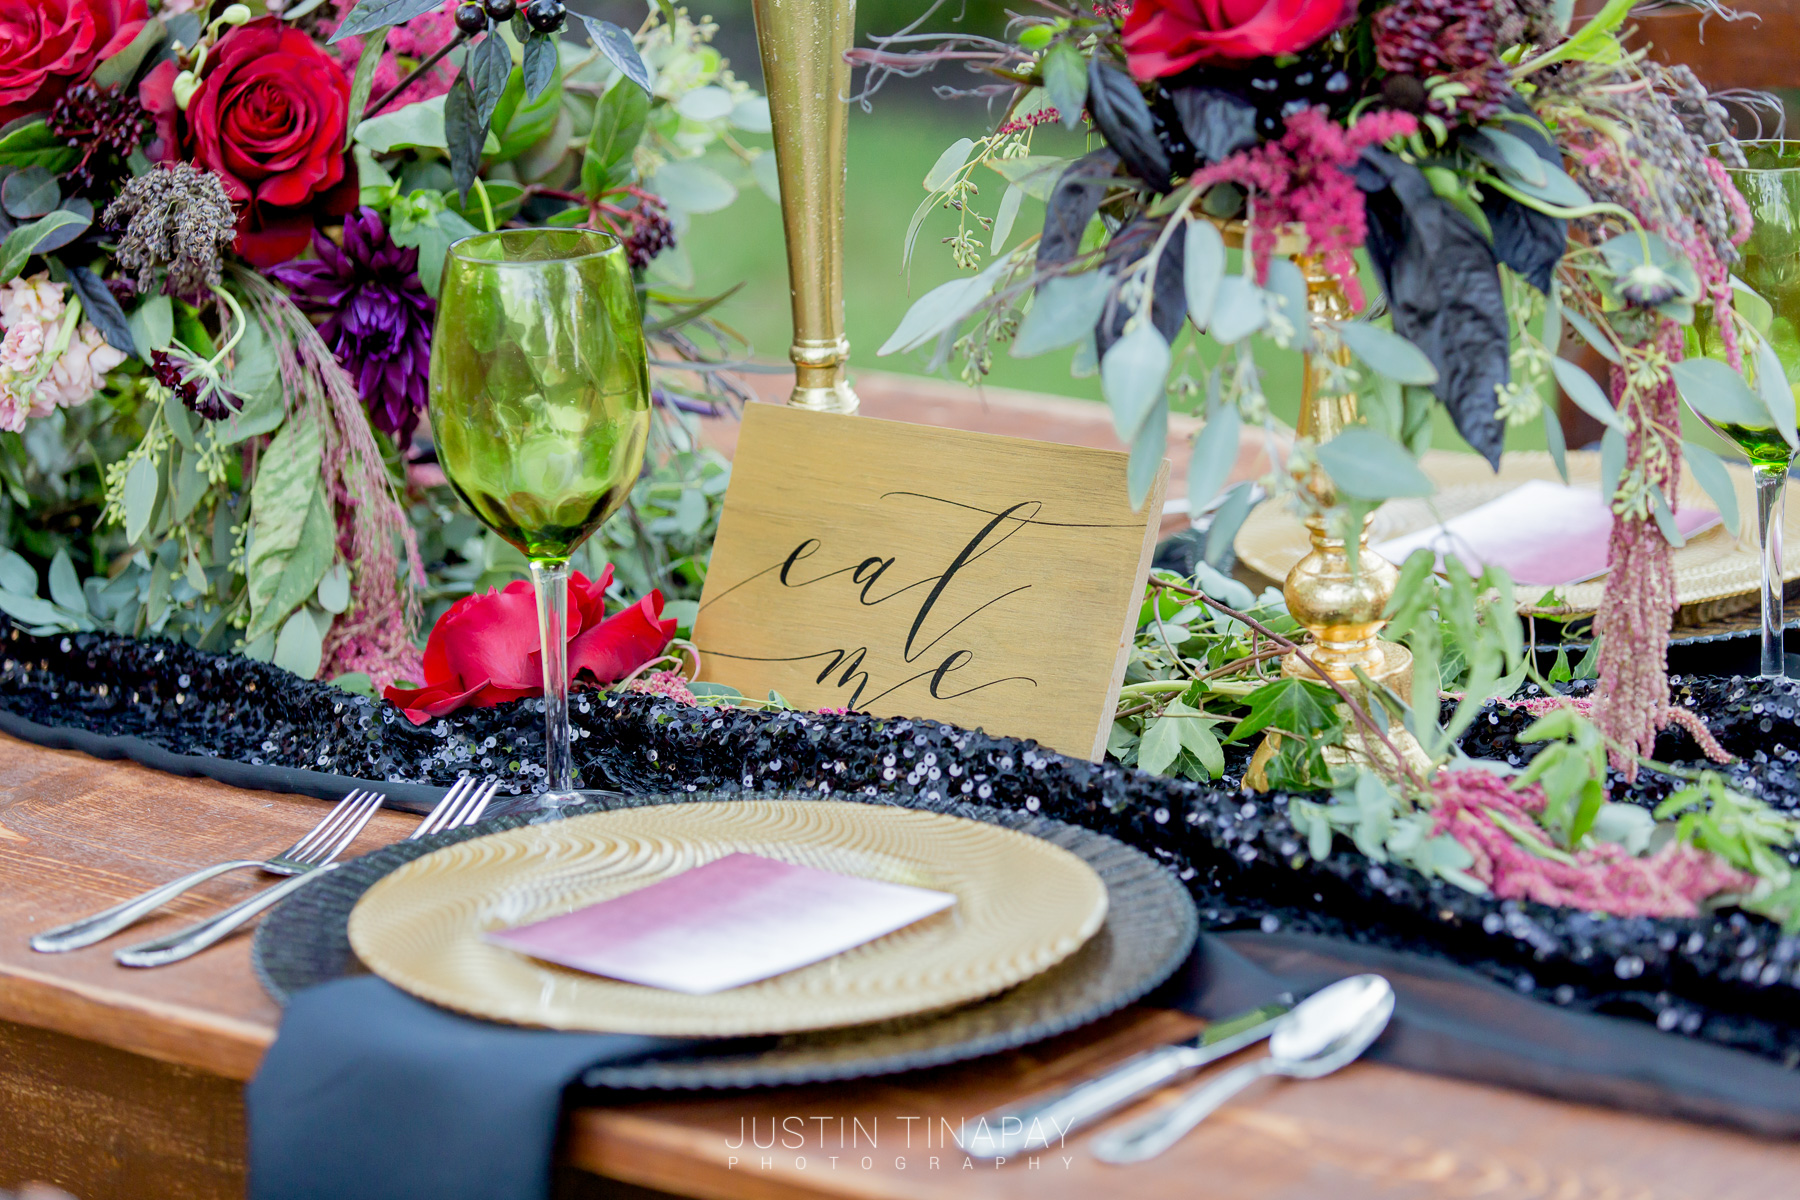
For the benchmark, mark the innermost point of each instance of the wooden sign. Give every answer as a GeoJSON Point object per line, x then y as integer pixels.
{"type": "Point", "coordinates": [908, 570]}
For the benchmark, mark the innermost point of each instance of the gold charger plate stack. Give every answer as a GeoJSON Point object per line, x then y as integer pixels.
{"type": "Point", "coordinates": [1023, 905]}
{"type": "Point", "coordinates": [1715, 573]}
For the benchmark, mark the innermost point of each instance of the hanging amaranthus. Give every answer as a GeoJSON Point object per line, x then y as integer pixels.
{"type": "Point", "coordinates": [375, 635]}
{"type": "Point", "coordinates": [1639, 604]}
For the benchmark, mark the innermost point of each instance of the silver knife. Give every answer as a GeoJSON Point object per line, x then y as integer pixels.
{"type": "Point", "coordinates": [1050, 1118]}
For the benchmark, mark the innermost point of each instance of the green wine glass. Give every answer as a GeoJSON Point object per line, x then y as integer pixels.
{"type": "Point", "coordinates": [1770, 182]}
{"type": "Point", "coordinates": [540, 406]}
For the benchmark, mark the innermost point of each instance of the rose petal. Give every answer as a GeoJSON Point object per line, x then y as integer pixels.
{"type": "Point", "coordinates": [624, 641]}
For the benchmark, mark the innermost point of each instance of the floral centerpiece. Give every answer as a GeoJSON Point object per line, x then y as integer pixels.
{"type": "Point", "coordinates": [222, 228]}
{"type": "Point", "coordinates": [1506, 175]}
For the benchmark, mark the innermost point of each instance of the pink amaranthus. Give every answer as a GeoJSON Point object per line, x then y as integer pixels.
{"type": "Point", "coordinates": [1301, 179]}
{"type": "Point", "coordinates": [1669, 883]}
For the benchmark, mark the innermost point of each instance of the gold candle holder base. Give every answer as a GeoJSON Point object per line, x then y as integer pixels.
{"type": "Point", "coordinates": [819, 382]}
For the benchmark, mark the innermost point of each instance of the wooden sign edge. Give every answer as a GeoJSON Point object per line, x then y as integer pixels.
{"type": "Point", "coordinates": [1152, 518]}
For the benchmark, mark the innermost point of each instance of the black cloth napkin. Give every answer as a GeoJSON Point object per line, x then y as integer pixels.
{"type": "Point", "coordinates": [369, 1094]}
{"type": "Point", "coordinates": [1451, 1021]}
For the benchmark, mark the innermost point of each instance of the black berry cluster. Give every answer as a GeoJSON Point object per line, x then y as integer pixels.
{"type": "Point", "coordinates": [651, 232]}
{"type": "Point", "coordinates": [543, 16]}
{"type": "Point", "coordinates": [105, 124]}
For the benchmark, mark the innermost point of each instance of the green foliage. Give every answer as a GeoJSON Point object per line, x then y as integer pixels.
{"type": "Point", "coordinates": [1383, 826]}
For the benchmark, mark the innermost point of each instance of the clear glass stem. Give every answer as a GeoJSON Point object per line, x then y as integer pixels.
{"type": "Point", "coordinates": [552, 582]}
{"type": "Point", "coordinates": [1770, 482]}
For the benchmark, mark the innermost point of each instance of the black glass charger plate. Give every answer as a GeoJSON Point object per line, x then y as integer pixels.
{"type": "Point", "coordinates": [1150, 928]}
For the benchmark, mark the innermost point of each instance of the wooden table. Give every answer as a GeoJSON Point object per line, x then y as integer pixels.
{"type": "Point", "coordinates": [126, 1084]}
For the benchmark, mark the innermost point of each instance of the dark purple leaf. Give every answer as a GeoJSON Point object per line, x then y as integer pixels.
{"type": "Point", "coordinates": [1126, 122]}
{"type": "Point", "coordinates": [1073, 203]}
{"type": "Point", "coordinates": [370, 15]}
{"type": "Point", "coordinates": [1168, 306]}
{"type": "Point", "coordinates": [1217, 123]}
{"type": "Point", "coordinates": [100, 307]}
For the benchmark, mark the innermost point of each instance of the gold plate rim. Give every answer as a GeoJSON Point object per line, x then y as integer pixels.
{"type": "Point", "coordinates": [425, 940]}
{"type": "Point", "coordinates": [1711, 569]}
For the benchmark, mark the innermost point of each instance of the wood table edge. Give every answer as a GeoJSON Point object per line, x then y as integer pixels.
{"type": "Point", "coordinates": [167, 1032]}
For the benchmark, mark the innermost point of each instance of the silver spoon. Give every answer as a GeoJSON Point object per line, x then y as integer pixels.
{"type": "Point", "coordinates": [1327, 1030]}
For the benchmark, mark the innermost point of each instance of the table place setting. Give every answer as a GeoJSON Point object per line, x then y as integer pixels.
{"type": "Point", "coordinates": [367, 436]}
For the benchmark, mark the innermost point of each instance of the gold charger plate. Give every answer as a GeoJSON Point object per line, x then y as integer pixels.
{"type": "Point", "coordinates": [1023, 905]}
{"type": "Point", "coordinates": [1715, 573]}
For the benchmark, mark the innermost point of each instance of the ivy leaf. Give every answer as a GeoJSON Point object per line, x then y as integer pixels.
{"type": "Point", "coordinates": [99, 306]}
{"type": "Point", "coordinates": [619, 50]}
{"type": "Point", "coordinates": [1710, 472]}
{"type": "Point", "coordinates": [1295, 706]}
{"type": "Point", "coordinates": [1197, 738]}
{"type": "Point", "coordinates": [1580, 387]}
{"type": "Point", "coordinates": [1160, 746]}
{"type": "Point", "coordinates": [1066, 82]}
{"type": "Point", "coordinates": [370, 15]}
{"type": "Point", "coordinates": [1366, 466]}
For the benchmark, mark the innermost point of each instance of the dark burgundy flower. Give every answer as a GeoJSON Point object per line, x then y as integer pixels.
{"type": "Point", "coordinates": [1164, 37]}
{"type": "Point", "coordinates": [378, 316]}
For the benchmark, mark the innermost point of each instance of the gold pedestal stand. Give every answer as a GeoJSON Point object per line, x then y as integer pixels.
{"type": "Point", "coordinates": [1340, 608]}
{"type": "Point", "coordinates": [803, 44]}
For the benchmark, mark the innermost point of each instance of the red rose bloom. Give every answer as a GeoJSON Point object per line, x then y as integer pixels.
{"type": "Point", "coordinates": [485, 651]}
{"type": "Point", "coordinates": [1163, 37]}
{"type": "Point", "coordinates": [45, 45]}
{"type": "Point", "coordinates": [268, 116]}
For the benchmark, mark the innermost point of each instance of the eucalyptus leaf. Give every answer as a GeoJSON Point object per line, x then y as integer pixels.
{"type": "Point", "coordinates": [1133, 374]}
{"type": "Point", "coordinates": [692, 187]}
{"type": "Point", "coordinates": [1555, 442]}
{"type": "Point", "coordinates": [1066, 82]}
{"type": "Point", "coordinates": [708, 103]}
{"type": "Point", "coordinates": [1064, 310]}
{"type": "Point", "coordinates": [1366, 466]}
{"type": "Point", "coordinates": [1388, 353]}
{"type": "Point", "coordinates": [1035, 174]}
{"type": "Point", "coordinates": [939, 309]}
{"type": "Point", "coordinates": [1772, 385]}
{"type": "Point", "coordinates": [334, 589]}
{"type": "Point", "coordinates": [768, 178]}
{"type": "Point", "coordinates": [1751, 306]}
{"type": "Point", "coordinates": [30, 610]}
{"type": "Point", "coordinates": [1147, 453]}
{"type": "Point", "coordinates": [65, 586]}
{"type": "Point", "coordinates": [29, 193]}
{"type": "Point", "coordinates": [48, 231]}
{"type": "Point", "coordinates": [1580, 387]}
{"type": "Point", "coordinates": [1665, 518]}
{"type": "Point", "coordinates": [152, 323]}
{"type": "Point", "coordinates": [299, 648]}
{"type": "Point", "coordinates": [1711, 473]}
{"type": "Point", "coordinates": [1215, 454]}
{"type": "Point", "coordinates": [1203, 270]}
{"type": "Point", "coordinates": [1601, 344]}
{"type": "Point", "coordinates": [362, 82]}
{"type": "Point", "coordinates": [1286, 293]}
{"type": "Point", "coordinates": [1239, 310]}
{"type": "Point", "coordinates": [1612, 463]}
{"type": "Point", "coordinates": [1010, 201]}
{"type": "Point", "coordinates": [16, 575]}
{"type": "Point", "coordinates": [1719, 394]}
{"type": "Point", "coordinates": [141, 482]}
{"type": "Point", "coordinates": [1227, 521]}
{"type": "Point", "coordinates": [751, 114]}
{"type": "Point", "coordinates": [948, 164]}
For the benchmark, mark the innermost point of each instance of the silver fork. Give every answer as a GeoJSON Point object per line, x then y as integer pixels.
{"type": "Point", "coordinates": [462, 805]}
{"type": "Point", "coordinates": [325, 841]}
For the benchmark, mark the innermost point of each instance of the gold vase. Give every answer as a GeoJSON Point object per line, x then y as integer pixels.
{"type": "Point", "coordinates": [803, 43]}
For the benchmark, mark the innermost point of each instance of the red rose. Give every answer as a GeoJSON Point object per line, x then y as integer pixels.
{"type": "Point", "coordinates": [484, 651]}
{"type": "Point", "coordinates": [45, 45]}
{"type": "Point", "coordinates": [1163, 37]}
{"type": "Point", "coordinates": [268, 116]}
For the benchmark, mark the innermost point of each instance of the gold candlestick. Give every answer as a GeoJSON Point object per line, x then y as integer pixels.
{"type": "Point", "coordinates": [1340, 608]}
{"type": "Point", "coordinates": [803, 44]}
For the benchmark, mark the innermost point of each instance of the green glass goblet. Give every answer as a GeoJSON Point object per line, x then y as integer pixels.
{"type": "Point", "coordinates": [1770, 182]}
{"type": "Point", "coordinates": [540, 406]}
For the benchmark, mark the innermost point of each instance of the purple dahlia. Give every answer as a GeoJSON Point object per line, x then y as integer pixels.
{"type": "Point", "coordinates": [378, 317]}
